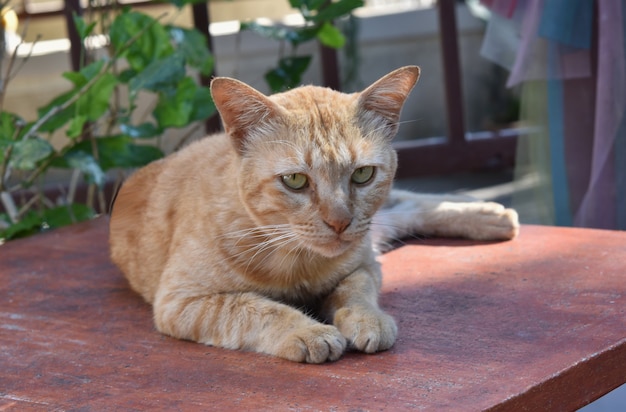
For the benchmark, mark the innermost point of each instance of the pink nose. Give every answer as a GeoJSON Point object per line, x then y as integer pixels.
{"type": "Point", "coordinates": [339, 226]}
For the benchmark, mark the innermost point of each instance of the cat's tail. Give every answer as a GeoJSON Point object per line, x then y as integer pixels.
{"type": "Point", "coordinates": [412, 214]}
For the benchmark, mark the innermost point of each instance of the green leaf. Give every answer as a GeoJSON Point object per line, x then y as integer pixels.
{"type": "Point", "coordinates": [10, 125]}
{"type": "Point", "coordinates": [193, 46]}
{"type": "Point", "coordinates": [314, 4]}
{"type": "Point", "coordinates": [85, 162]}
{"type": "Point", "coordinates": [75, 128]}
{"type": "Point", "coordinates": [307, 7]}
{"type": "Point", "coordinates": [176, 110]}
{"type": "Point", "coordinates": [182, 3]}
{"type": "Point", "coordinates": [336, 10]}
{"type": "Point", "coordinates": [82, 28]}
{"type": "Point", "coordinates": [139, 38]}
{"type": "Point", "coordinates": [113, 151]}
{"type": "Point", "coordinates": [294, 36]}
{"type": "Point", "coordinates": [26, 153]}
{"type": "Point", "coordinates": [66, 215]}
{"type": "Point", "coordinates": [270, 32]}
{"type": "Point", "coordinates": [80, 78]}
{"type": "Point", "coordinates": [59, 119]}
{"type": "Point", "coordinates": [203, 105]}
{"type": "Point", "coordinates": [77, 78]}
{"type": "Point", "coordinates": [26, 226]}
{"type": "Point", "coordinates": [4, 146]}
{"type": "Point", "coordinates": [126, 75]}
{"type": "Point", "coordinates": [142, 131]}
{"type": "Point", "coordinates": [162, 75]}
{"type": "Point", "coordinates": [330, 36]}
{"type": "Point", "coordinates": [120, 151]}
{"type": "Point", "coordinates": [95, 102]}
{"type": "Point", "coordinates": [34, 222]}
{"type": "Point", "coordinates": [288, 74]}
{"type": "Point", "coordinates": [189, 103]}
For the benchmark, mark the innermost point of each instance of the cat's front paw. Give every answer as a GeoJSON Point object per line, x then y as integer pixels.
{"type": "Point", "coordinates": [313, 344]}
{"type": "Point", "coordinates": [368, 330]}
{"type": "Point", "coordinates": [493, 222]}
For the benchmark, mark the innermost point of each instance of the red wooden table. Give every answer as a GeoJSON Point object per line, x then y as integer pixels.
{"type": "Point", "coordinates": [531, 324]}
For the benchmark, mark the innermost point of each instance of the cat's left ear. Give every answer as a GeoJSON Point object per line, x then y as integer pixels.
{"type": "Point", "coordinates": [243, 109]}
{"type": "Point", "coordinates": [384, 99]}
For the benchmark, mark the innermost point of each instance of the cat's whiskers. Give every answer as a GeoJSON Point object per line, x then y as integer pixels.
{"type": "Point", "coordinates": [386, 212]}
{"type": "Point", "coordinates": [401, 231]}
{"type": "Point", "coordinates": [261, 231]}
{"type": "Point", "coordinates": [256, 232]}
{"type": "Point", "coordinates": [259, 247]}
{"type": "Point", "coordinates": [276, 244]}
{"type": "Point", "coordinates": [297, 249]}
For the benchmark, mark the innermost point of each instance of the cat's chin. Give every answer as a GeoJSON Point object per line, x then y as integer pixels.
{"type": "Point", "coordinates": [332, 249]}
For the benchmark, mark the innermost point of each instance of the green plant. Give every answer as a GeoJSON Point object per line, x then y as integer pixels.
{"type": "Point", "coordinates": [318, 16]}
{"type": "Point", "coordinates": [98, 117]}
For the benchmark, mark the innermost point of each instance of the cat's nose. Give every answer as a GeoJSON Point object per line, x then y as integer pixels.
{"type": "Point", "coordinates": [339, 225]}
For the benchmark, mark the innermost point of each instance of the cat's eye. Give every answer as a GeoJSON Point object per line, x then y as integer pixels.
{"type": "Point", "coordinates": [363, 174]}
{"type": "Point", "coordinates": [295, 181]}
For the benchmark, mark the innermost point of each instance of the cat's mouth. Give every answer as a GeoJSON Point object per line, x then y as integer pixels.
{"type": "Point", "coordinates": [331, 247]}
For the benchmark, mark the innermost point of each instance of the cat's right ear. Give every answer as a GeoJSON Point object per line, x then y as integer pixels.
{"type": "Point", "coordinates": [242, 108]}
{"type": "Point", "coordinates": [384, 99]}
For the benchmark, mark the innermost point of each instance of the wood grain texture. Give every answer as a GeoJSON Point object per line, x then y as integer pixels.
{"type": "Point", "coordinates": [531, 324]}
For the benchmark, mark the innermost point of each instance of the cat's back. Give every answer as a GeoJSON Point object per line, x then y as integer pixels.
{"type": "Point", "coordinates": [149, 208]}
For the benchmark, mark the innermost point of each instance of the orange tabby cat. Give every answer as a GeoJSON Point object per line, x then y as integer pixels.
{"type": "Point", "coordinates": [239, 238]}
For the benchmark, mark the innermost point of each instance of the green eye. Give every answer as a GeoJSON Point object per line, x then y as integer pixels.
{"type": "Point", "coordinates": [363, 174]}
{"type": "Point", "coordinates": [295, 181]}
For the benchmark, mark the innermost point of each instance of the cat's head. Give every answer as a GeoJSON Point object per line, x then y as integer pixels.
{"type": "Point", "coordinates": [316, 164]}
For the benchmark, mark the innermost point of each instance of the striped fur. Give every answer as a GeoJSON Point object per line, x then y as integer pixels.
{"type": "Point", "coordinates": [229, 256]}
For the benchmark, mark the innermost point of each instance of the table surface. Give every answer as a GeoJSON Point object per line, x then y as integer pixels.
{"type": "Point", "coordinates": [534, 323]}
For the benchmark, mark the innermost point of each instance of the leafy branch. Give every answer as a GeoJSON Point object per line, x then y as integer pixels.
{"type": "Point", "coordinates": [318, 16]}
{"type": "Point", "coordinates": [146, 56]}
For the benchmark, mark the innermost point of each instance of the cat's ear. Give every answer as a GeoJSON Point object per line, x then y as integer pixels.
{"type": "Point", "coordinates": [242, 108]}
{"type": "Point", "coordinates": [384, 99]}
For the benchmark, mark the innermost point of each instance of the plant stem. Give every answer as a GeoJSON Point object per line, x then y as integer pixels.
{"type": "Point", "coordinates": [56, 109]}
{"type": "Point", "coordinates": [9, 206]}
{"type": "Point", "coordinates": [4, 166]}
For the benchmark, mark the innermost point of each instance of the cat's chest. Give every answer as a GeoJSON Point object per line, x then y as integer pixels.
{"type": "Point", "coordinates": [295, 278]}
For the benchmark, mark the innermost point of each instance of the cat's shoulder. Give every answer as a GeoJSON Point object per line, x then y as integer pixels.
{"type": "Point", "coordinates": [217, 142]}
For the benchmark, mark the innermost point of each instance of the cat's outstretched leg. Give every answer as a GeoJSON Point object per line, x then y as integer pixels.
{"type": "Point", "coordinates": [407, 213]}
{"type": "Point", "coordinates": [353, 308]}
{"type": "Point", "coordinates": [247, 321]}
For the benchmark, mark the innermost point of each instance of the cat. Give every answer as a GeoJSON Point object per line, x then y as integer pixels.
{"type": "Point", "coordinates": [261, 238]}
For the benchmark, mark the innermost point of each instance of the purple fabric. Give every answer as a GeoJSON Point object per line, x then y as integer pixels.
{"type": "Point", "coordinates": [593, 107]}
{"type": "Point", "coordinates": [579, 102]}
{"type": "Point", "coordinates": [505, 8]}
{"type": "Point", "coordinates": [598, 206]}
{"type": "Point", "coordinates": [530, 58]}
